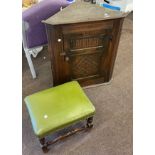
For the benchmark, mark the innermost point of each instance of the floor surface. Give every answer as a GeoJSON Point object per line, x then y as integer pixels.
{"type": "Point", "coordinates": [112, 132]}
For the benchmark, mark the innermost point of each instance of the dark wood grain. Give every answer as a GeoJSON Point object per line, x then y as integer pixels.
{"type": "Point", "coordinates": [44, 143]}
{"type": "Point", "coordinates": [84, 52]}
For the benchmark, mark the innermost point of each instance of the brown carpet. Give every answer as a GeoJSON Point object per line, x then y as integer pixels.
{"type": "Point", "coordinates": [112, 132]}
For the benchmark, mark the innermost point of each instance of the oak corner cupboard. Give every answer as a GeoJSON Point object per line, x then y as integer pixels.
{"type": "Point", "coordinates": [82, 42]}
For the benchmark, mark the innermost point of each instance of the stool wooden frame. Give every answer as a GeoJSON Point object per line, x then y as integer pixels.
{"type": "Point", "coordinates": [44, 143]}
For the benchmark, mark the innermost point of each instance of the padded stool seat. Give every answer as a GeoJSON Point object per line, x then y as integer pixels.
{"type": "Point", "coordinates": [58, 107]}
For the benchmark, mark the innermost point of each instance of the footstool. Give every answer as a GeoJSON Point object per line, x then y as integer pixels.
{"type": "Point", "coordinates": [56, 108]}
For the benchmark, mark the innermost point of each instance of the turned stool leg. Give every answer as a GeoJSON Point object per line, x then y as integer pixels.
{"type": "Point", "coordinates": [90, 122]}
{"type": "Point", "coordinates": [43, 144]}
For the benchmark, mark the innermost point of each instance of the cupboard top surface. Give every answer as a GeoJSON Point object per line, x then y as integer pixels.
{"type": "Point", "coordinates": [83, 12]}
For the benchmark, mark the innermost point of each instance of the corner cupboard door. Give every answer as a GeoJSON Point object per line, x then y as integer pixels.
{"type": "Point", "coordinates": [84, 53]}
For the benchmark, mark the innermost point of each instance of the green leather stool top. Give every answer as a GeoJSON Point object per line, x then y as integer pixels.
{"type": "Point", "coordinates": [55, 108]}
